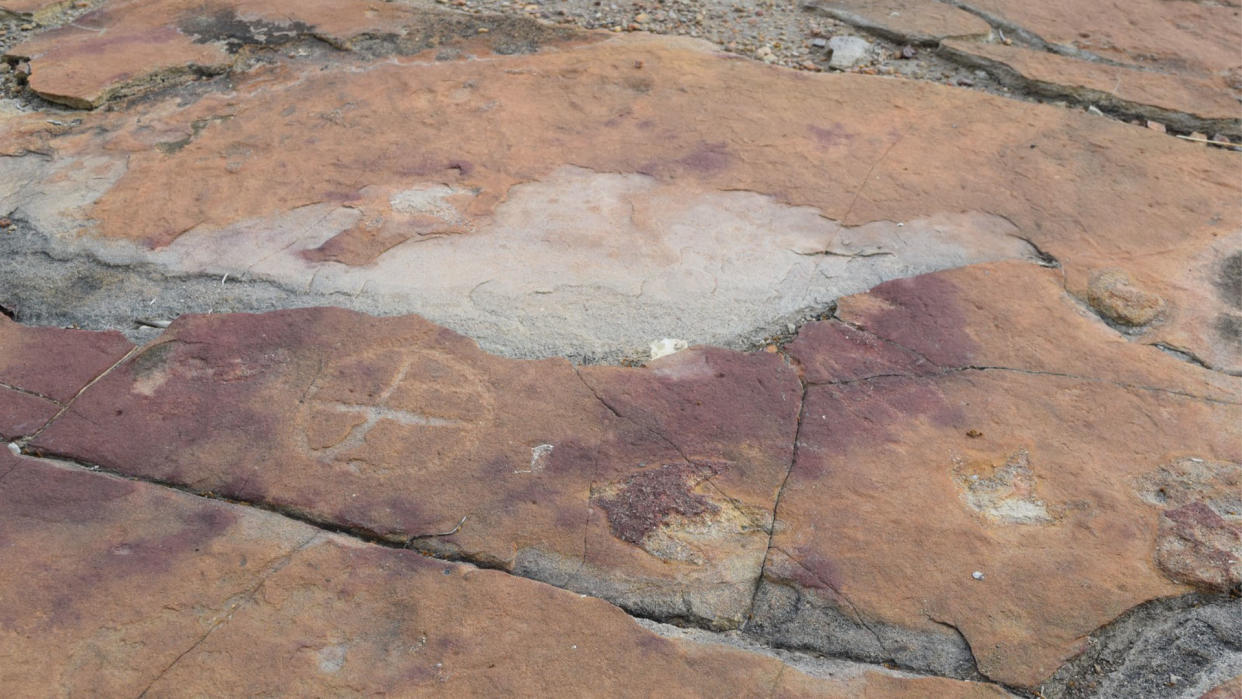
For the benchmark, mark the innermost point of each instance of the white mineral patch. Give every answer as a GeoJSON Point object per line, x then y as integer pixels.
{"type": "Point", "coordinates": [667, 346]}
{"type": "Point", "coordinates": [578, 263]}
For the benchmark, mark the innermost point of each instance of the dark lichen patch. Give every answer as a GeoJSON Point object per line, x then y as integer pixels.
{"type": "Point", "coordinates": [1229, 328]}
{"type": "Point", "coordinates": [1229, 281]}
{"type": "Point", "coordinates": [235, 33]}
{"type": "Point", "coordinates": [428, 30]}
{"type": "Point", "coordinates": [196, 127]}
{"type": "Point", "coordinates": [650, 497]}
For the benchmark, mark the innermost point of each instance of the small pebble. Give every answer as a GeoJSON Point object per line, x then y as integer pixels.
{"type": "Point", "coordinates": [977, 575]}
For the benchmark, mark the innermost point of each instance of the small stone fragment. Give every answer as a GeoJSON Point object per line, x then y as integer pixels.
{"type": "Point", "coordinates": [1155, 126]}
{"type": "Point", "coordinates": [819, 43]}
{"type": "Point", "coordinates": [1115, 296]}
{"type": "Point", "coordinates": [908, 52]}
{"type": "Point", "coordinates": [847, 51]}
{"type": "Point", "coordinates": [977, 575]}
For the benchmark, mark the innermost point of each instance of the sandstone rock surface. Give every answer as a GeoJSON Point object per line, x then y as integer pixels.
{"type": "Point", "coordinates": [598, 228]}
{"type": "Point", "coordinates": [1175, 62]}
{"type": "Point", "coordinates": [915, 21]}
{"type": "Point", "coordinates": [952, 419]}
{"type": "Point", "coordinates": [239, 601]}
{"type": "Point", "coordinates": [389, 347]}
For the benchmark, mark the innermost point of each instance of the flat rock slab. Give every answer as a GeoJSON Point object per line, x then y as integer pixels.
{"type": "Point", "coordinates": [952, 424]}
{"type": "Point", "coordinates": [1175, 62]}
{"type": "Point", "coordinates": [912, 21]}
{"type": "Point", "coordinates": [961, 396]}
{"type": "Point", "coordinates": [958, 408]}
{"type": "Point", "coordinates": [1173, 36]}
{"type": "Point", "coordinates": [1165, 97]}
{"type": "Point", "coordinates": [238, 601]}
{"type": "Point", "coordinates": [42, 370]}
{"type": "Point", "coordinates": [653, 488]}
{"type": "Point", "coordinates": [681, 194]}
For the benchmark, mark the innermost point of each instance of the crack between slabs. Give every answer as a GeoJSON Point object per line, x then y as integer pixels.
{"type": "Point", "coordinates": [909, 350]}
{"type": "Point", "coordinates": [733, 502]}
{"type": "Point", "coordinates": [776, 681]}
{"type": "Point", "coordinates": [64, 407]}
{"type": "Point", "coordinates": [1107, 103]}
{"type": "Point", "coordinates": [944, 371]}
{"type": "Point", "coordinates": [863, 184]}
{"type": "Point", "coordinates": [793, 460]}
{"type": "Point", "coordinates": [1022, 86]}
{"type": "Point", "coordinates": [857, 615]}
{"type": "Point", "coordinates": [247, 597]}
{"type": "Point", "coordinates": [965, 643]}
{"type": "Point", "coordinates": [717, 637]}
{"type": "Point", "coordinates": [1189, 357]}
{"type": "Point", "coordinates": [36, 394]}
{"type": "Point", "coordinates": [1033, 372]}
{"type": "Point", "coordinates": [1026, 36]}
{"type": "Point", "coordinates": [1046, 259]}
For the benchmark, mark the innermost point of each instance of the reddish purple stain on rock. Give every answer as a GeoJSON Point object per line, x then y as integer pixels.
{"type": "Point", "coordinates": [867, 414]}
{"type": "Point", "coordinates": [813, 571]}
{"type": "Point", "coordinates": [1198, 547]}
{"type": "Point", "coordinates": [834, 135]}
{"type": "Point", "coordinates": [834, 351]}
{"type": "Point", "coordinates": [924, 316]}
{"type": "Point", "coordinates": [55, 362]}
{"type": "Point", "coordinates": [707, 158]}
{"type": "Point", "coordinates": [22, 413]}
{"type": "Point", "coordinates": [650, 497]}
{"type": "Point", "coordinates": [34, 491]}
